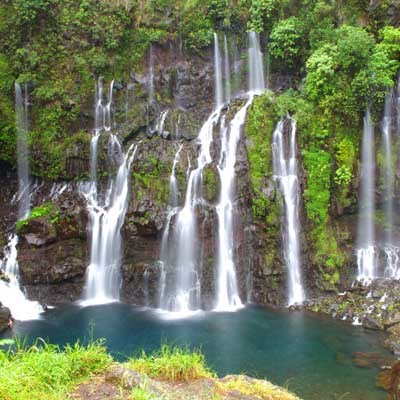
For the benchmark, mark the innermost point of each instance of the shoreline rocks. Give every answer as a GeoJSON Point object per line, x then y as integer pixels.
{"type": "Point", "coordinates": [375, 306]}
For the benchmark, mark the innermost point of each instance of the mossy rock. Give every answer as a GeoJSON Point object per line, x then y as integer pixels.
{"type": "Point", "coordinates": [211, 184]}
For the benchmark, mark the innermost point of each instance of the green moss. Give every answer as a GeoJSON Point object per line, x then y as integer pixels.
{"type": "Point", "coordinates": [317, 193]}
{"type": "Point", "coordinates": [260, 123]}
{"type": "Point", "coordinates": [210, 184]}
{"type": "Point", "coordinates": [45, 210]}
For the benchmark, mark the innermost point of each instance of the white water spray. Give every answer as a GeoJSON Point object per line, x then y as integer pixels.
{"type": "Point", "coordinates": [11, 294]}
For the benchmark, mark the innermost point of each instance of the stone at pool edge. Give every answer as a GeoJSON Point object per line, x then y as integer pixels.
{"type": "Point", "coordinates": [389, 379]}
{"type": "Point", "coordinates": [5, 318]}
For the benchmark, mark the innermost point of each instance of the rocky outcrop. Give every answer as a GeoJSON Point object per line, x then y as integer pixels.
{"type": "Point", "coordinates": [231, 387]}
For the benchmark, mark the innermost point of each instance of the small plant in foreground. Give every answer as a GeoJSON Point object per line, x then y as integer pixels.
{"type": "Point", "coordinates": [172, 363]}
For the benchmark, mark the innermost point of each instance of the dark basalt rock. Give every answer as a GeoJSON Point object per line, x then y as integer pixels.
{"type": "Point", "coordinates": [5, 318]}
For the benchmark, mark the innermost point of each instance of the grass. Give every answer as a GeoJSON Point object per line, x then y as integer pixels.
{"type": "Point", "coordinates": [172, 364]}
{"type": "Point", "coordinates": [47, 372]}
{"type": "Point", "coordinates": [261, 389]}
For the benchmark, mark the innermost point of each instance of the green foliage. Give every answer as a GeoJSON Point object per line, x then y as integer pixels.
{"type": "Point", "coordinates": [45, 371]}
{"type": "Point", "coordinates": [261, 12]}
{"type": "Point", "coordinates": [351, 71]}
{"type": "Point", "coordinates": [173, 364]}
{"type": "Point", "coordinates": [345, 156]}
{"type": "Point", "coordinates": [197, 30]}
{"type": "Point", "coordinates": [287, 42]}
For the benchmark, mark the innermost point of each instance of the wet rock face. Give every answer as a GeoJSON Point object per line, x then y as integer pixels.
{"type": "Point", "coordinates": [52, 250]}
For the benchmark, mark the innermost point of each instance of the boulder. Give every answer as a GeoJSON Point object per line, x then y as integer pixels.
{"type": "Point", "coordinates": [372, 323]}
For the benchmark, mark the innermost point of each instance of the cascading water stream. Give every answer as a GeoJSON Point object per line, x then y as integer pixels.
{"type": "Point", "coordinates": [227, 71]}
{"type": "Point", "coordinates": [151, 76]}
{"type": "Point", "coordinates": [391, 251]}
{"type": "Point", "coordinates": [183, 293]}
{"type": "Point", "coordinates": [256, 64]}
{"type": "Point", "coordinates": [106, 213]}
{"type": "Point", "coordinates": [286, 175]}
{"type": "Point", "coordinates": [219, 95]}
{"type": "Point", "coordinates": [173, 187]}
{"type": "Point", "coordinates": [21, 110]}
{"type": "Point", "coordinates": [161, 123]}
{"type": "Point", "coordinates": [165, 260]}
{"type": "Point", "coordinates": [179, 252]}
{"type": "Point", "coordinates": [366, 254]}
{"type": "Point", "coordinates": [227, 296]}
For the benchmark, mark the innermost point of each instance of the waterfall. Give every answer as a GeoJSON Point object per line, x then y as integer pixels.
{"type": "Point", "coordinates": [178, 251]}
{"type": "Point", "coordinates": [165, 254]}
{"type": "Point", "coordinates": [366, 254]}
{"type": "Point", "coordinates": [151, 76]}
{"type": "Point", "coordinates": [181, 257]}
{"type": "Point", "coordinates": [173, 187]}
{"type": "Point", "coordinates": [11, 294]}
{"type": "Point", "coordinates": [227, 71]}
{"type": "Point", "coordinates": [227, 296]}
{"type": "Point", "coordinates": [184, 294]}
{"type": "Point", "coordinates": [21, 111]}
{"type": "Point", "coordinates": [106, 212]}
{"type": "Point", "coordinates": [217, 73]}
{"type": "Point", "coordinates": [256, 65]}
{"type": "Point", "coordinates": [161, 123]}
{"type": "Point", "coordinates": [391, 251]}
{"type": "Point", "coordinates": [285, 174]}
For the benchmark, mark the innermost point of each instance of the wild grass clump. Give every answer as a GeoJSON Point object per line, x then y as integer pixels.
{"type": "Point", "coordinates": [45, 372]}
{"type": "Point", "coordinates": [263, 390]}
{"type": "Point", "coordinates": [172, 364]}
